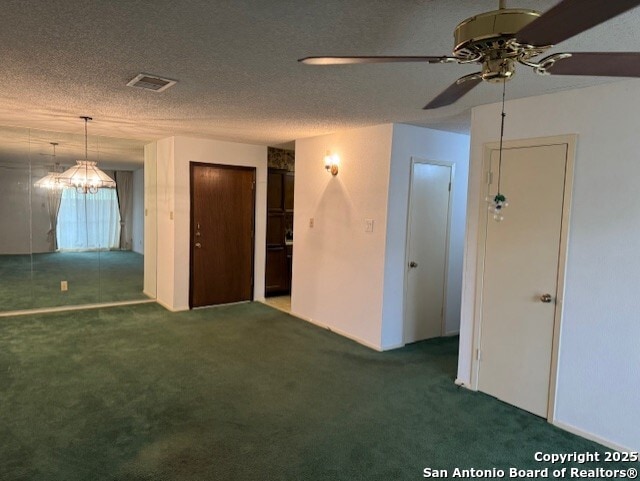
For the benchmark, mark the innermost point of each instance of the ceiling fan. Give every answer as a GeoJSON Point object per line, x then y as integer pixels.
{"type": "Point", "coordinates": [500, 39]}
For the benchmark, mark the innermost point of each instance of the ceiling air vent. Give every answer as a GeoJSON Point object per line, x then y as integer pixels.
{"type": "Point", "coordinates": [151, 82]}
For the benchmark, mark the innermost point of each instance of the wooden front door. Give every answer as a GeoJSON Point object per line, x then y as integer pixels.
{"type": "Point", "coordinates": [222, 234]}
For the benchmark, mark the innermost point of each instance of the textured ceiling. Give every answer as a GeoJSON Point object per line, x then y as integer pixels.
{"type": "Point", "coordinates": [236, 65]}
{"type": "Point", "coordinates": [33, 147]}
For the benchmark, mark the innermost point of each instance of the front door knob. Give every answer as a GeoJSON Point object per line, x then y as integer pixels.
{"type": "Point", "coordinates": [413, 264]}
{"type": "Point", "coordinates": [546, 298]}
{"type": "Point", "coordinates": [198, 245]}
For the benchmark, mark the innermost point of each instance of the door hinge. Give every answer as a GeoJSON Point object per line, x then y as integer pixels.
{"type": "Point", "coordinates": [449, 186]}
{"type": "Point", "coordinates": [478, 354]}
{"type": "Point", "coordinates": [489, 178]}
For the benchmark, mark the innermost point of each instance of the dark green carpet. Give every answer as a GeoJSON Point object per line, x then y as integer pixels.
{"type": "Point", "coordinates": [93, 277]}
{"type": "Point", "coordinates": [240, 393]}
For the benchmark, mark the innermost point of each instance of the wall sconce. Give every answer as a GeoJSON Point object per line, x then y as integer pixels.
{"type": "Point", "coordinates": [331, 163]}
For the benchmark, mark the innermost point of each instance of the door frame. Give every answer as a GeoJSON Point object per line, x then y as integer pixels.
{"type": "Point", "coordinates": [570, 140]}
{"type": "Point", "coordinates": [452, 166]}
{"type": "Point", "coordinates": [254, 171]}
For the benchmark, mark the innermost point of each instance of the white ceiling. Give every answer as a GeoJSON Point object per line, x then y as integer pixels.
{"type": "Point", "coordinates": [236, 65]}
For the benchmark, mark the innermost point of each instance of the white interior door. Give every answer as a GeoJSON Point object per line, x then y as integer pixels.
{"type": "Point", "coordinates": [427, 250]}
{"type": "Point", "coordinates": [520, 267]}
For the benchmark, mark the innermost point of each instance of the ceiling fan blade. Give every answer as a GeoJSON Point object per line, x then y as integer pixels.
{"type": "Point", "coordinates": [569, 18]}
{"type": "Point", "coordinates": [455, 91]}
{"type": "Point", "coordinates": [366, 59]}
{"type": "Point", "coordinates": [605, 64]}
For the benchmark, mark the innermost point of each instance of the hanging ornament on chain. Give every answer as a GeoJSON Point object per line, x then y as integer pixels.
{"type": "Point", "coordinates": [498, 202]}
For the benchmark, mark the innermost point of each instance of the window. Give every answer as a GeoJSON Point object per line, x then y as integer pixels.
{"type": "Point", "coordinates": [88, 221]}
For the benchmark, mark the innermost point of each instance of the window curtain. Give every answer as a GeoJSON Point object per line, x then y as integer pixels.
{"type": "Point", "coordinates": [54, 196]}
{"type": "Point", "coordinates": [88, 221]}
{"type": "Point", "coordinates": [124, 188]}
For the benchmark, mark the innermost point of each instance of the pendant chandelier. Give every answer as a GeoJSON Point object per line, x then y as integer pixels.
{"type": "Point", "coordinates": [52, 181]}
{"type": "Point", "coordinates": [85, 176]}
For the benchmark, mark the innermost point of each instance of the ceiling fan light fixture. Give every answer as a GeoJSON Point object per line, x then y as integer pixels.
{"type": "Point", "coordinates": [493, 30]}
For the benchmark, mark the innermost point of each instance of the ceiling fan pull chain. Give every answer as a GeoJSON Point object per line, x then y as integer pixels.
{"type": "Point", "coordinates": [502, 117]}
{"type": "Point", "coordinates": [499, 201]}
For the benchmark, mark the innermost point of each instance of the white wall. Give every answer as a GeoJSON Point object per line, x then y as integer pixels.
{"type": "Point", "coordinates": [344, 278]}
{"type": "Point", "coordinates": [24, 219]}
{"type": "Point", "coordinates": [427, 144]}
{"type": "Point", "coordinates": [599, 361]}
{"type": "Point", "coordinates": [137, 212]}
{"type": "Point", "coordinates": [15, 222]}
{"type": "Point", "coordinates": [338, 269]}
{"type": "Point", "coordinates": [165, 258]}
{"type": "Point", "coordinates": [173, 158]}
{"type": "Point", "coordinates": [150, 236]}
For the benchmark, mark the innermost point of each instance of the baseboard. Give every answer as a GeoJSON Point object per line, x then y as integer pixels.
{"type": "Point", "coordinates": [390, 347]}
{"type": "Point", "coordinates": [338, 331]}
{"type": "Point", "coordinates": [165, 305]}
{"type": "Point", "coordinates": [264, 301]}
{"type": "Point", "coordinates": [149, 295]}
{"type": "Point", "coordinates": [459, 382]}
{"type": "Point", "coordinates": [168, 307]}
{"type": "Point", "coordinates": [81, 307]}
{"type": "Point", "coordinates": [452, 333]}
{"type": "Point", "coordinates": [593, 437]}
{"type": "Point", "coordinates": [213, 306]}
{"type": "Point", "coordinates": [187, 308]}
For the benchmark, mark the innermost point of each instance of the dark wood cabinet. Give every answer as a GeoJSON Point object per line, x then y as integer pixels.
{"type": "Point", "coordinates": [288, 182]}
{"type": "Point", "coordinates": [280, 187]}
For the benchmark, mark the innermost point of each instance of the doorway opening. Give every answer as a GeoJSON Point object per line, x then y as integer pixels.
{"type": "Point", "coordinates": [279, 248]}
